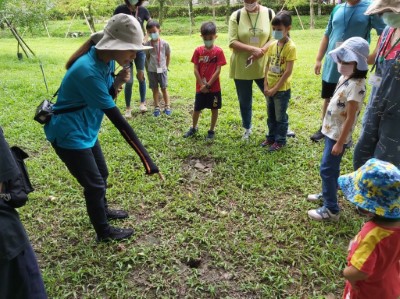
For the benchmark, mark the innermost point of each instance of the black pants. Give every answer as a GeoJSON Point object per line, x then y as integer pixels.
{"type": "Point", "coordinates": [20, 277]}
{"type": "Point", "coordinates": [89, 167]}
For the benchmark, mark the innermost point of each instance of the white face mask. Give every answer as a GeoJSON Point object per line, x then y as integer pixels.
{"type": "Point", "coordinates": [250, 6]}
{"type": "Point", "coordinates": [345, 69]}
{"type": "Point", "coordinates": [391, 19]}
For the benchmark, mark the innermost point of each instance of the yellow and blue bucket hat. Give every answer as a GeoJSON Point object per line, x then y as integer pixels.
{"type": "Point", "coordinates": [374, 187]}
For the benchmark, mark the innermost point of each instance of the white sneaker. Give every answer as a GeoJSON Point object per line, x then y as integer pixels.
{"type": "Point", "coordinates": [128, 113]}
{"type": "Point", "coordinates": [143, 107]}
{"type": "Point", "coordinates": [246, 134]}
{"type": "Point", "coordinates": [323, 214]}
{"type": "Point", "coordinates": [314, 197]}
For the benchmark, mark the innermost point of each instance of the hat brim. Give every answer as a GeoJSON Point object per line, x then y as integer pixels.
{"type": "Point", "coordinates": [374, 9]}
{"type": "Point", "coordinates": [104, 41]}
{"type": "Point", "coordinates": [348, 56]}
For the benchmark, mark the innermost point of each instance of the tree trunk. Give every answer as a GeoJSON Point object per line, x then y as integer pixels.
{"type": "Point", "coordinates": [312, 15]}
{"type": "Point", "coordinates": [213, 9]}
{"type": "Point", "coordinates": [191, 13]}
{"type": "Point", "coordinates": [161, 11]}
{"type": "Point", "coordinates": [90, 17]}
{"type": "Point", "coordinates": [319, 7]}
{"type": "Point", "coordinates": [228, 11]}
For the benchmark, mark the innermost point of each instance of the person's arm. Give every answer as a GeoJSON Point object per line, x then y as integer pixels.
{"type": "Point", "coordinates": [167, 59]}
{"type": "Point", "coordinates": [203, 87]}
{"type": "Point", "coordinates": [266, 78]}
{"type": "Point", "coordinates": [352, 107]}
{"type": "Point", "coordinates": [372, 56]}
{"type": "Point", "coordinates": [352, 274]}
{"type": "Point", "coordinates": [323, 46]}
{"type": "Point", "coordinates": [127, 132]}
{"type": "Point", "coordinates": [288, 71]}
{"type": "Point", "coordinates": [214, 77]}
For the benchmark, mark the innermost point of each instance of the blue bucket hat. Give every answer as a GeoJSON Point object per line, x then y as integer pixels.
{"type": "Point", "coordinates": [353, 49]}
{"type": "Point", "coordinates": [374, 187]}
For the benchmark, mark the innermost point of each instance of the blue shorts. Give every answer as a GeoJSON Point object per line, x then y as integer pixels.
{"type": "Point", "coordinates": [211, 100]}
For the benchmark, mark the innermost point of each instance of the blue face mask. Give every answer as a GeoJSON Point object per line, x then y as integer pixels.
{"type": "Point", "coordinates": [277, 34]}
{"type": "Point", "coordinates": [154, 36]}
{"type": "Point", "coordinates": [391, 19]}
{"type": "Point", "coordinates": [133, 2]}
{"type": "Point", "coordinates": [208, 43]}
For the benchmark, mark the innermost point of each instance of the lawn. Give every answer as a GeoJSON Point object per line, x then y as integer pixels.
{"type": "Point", "coordinates": [230, 220]}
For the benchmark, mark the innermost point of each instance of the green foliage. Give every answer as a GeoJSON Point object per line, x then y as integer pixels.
{"type": "Point", "coordinates": [237, 229]}
{"type": "Point", "coordinates": [25, 13]}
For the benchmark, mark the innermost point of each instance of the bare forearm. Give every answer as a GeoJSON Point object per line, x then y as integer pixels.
{"type": "Point", "coordinates": [323, 46]}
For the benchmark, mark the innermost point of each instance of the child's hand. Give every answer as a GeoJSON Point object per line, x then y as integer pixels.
{"type": "Point", "coordinates": [271, 92]}
{"type": "Point", "coordinates": [337, 149]}
{"type": "Point", "coordinates": [317, 68]}
{"type": "Point", "coordinates": [266, 90]}
{"type": "Point", "coordinates": [204, 88]}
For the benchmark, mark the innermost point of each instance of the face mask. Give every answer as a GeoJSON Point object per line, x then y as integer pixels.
{"type": "Point", "coordinates": [345, 69]}
{"type": "Point", "coordinates": [250, 6]}
{"type": "Point", "coordinates": [208, 43]}
{"type": "Point", "coordinates": [391, 19]}
{"type": "Point", "coordinates": [277, 34]}
{"type": "Point", "coordinates": [154, 36]}
{"type": "Point", "coordinates": [133, 2]}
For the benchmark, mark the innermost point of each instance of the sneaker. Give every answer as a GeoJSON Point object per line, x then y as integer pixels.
{"type": "Point", "coordinates": [128, 113]}
{"type": "Point", "coordinates": [157, 112]}
{"type": "Point", "coordinates": [116, 214]}
{"type": "Point", "coordinates": [314, 197]}
{"type": "Point", "coordinates": [290, 133]}
{"type": "Point", "coordinates": [246, 134]}
{"type": "Point", "coordinates": [115, 233]}
{"type": "Point", "coordinates": [191, 132]}
{"type": "Point", "coordinates": [143, 107]}
{"type": "Point", "coordinates": [323, 214]}
{"type": "Point", "coordinates": [210, 135]}
{"type": "Point", "coordinates": [317, 136]}
{"type": "Point", "coordinates": [168, 111]}
{"type": "Point", "coordinates": [266, 142]}
{"type": "Point", "coordinates": [275, 147]}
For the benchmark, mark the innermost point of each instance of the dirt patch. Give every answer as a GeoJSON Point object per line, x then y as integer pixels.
{"type": "Point", "coordinates": [197, 168]}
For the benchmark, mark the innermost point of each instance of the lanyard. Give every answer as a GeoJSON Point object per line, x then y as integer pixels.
{"type": "Point", "coordinates": [383, 49]}
{"type": "Point", "coordinates": [278, 55]}
{"type": "Point", "coordinates": [337, 87]}
{"type": "Point", "coordinates": [344, 18]}
{"type": "Point", "coordinates": [255, 24]}
{"type": "Point", "coordinates": [158, 52]}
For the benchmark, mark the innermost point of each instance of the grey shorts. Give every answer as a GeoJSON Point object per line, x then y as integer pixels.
{"type": "Point", "coordinates": [156, 80]}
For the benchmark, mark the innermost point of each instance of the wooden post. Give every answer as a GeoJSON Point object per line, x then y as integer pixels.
{"type": "Point", "coordinates": [297, 12]}
{"type": "Point", "coordinates": [47, 30]}
{"type": "Point", "coordinates": [87, 22]}
{"type": "Point", "coordinates": [70, 24]}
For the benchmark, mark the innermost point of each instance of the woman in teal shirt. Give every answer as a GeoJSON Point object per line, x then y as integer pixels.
{"type": "Point", "coordinates": [85, 95]}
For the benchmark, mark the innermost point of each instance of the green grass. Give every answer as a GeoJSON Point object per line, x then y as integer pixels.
{"type": "Point", "coordinates": [239, 229]}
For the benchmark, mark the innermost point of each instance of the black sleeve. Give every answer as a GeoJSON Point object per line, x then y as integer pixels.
{"type": "Point", "coordinates": [127, 132]}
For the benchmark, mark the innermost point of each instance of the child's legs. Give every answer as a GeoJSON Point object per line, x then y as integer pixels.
{"type": "Point", "coordinates": [153, 84]}
{"type": "Point", "coordinates": [214, 117]}
{"type": "Point", "coordinates": [271, 120]}
{"type": "Point", "coordinates": [139, 62]}
{"type": "Point", "coordinates": [163, 81]}
{"type": "Point", "coordinates": [128, 90]}
{"type": "Point", "coordinates": [281, 100]}
{"type": "Point", "coordinates": [195, 116]}
{"type": "Point", "coordinates": [165, 97]}
{"type": "Point", "coordinates": [329, 171]}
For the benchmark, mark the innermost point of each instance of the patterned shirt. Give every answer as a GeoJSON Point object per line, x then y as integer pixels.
{"type": "Point", "coordinates": [336, 114]}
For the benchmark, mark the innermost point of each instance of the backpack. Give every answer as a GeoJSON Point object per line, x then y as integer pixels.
{"type": "Point", "coordinates": [16, 190]}
{"type": "Point", "coordinates": [238, 15]}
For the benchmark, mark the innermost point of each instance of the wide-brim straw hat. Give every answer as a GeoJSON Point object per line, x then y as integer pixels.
{"type": "Point", "coordinates": [353, 49]}
{"type": "Point", "coordinates": [381, 6]}
{"type": "Point", "coordinates": [374, 187]}
{"type": "Point", "coordinates": [122, 32]}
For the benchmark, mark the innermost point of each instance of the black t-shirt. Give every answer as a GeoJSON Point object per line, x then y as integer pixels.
{"type": "Point", "coordinates": [13, 238]}
{"type": "Point", "coordinates": [142, 13]}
